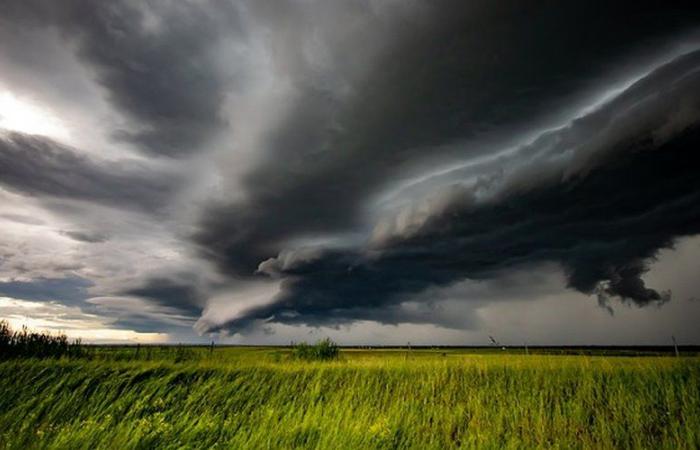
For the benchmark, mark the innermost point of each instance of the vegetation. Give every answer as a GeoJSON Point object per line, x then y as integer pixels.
{"type": "Point", "coordinates": [25, 343]}
{"type": "Point", "coordinates": [323, 350]}
{"type": "Point", "coordinates": [268, 398]}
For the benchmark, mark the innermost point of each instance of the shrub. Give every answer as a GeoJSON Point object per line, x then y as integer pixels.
{"type": "Point", "coordinates": [322, 350]}
{"type": "Point", "coordinates": [25, 343]}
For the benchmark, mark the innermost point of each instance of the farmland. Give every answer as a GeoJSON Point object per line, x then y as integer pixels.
{"type": "Point", "coordinates": [196, 397]}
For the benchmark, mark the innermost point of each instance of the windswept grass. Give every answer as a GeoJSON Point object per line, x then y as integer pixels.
{"type": "Point", "coordinates": [263, 398]}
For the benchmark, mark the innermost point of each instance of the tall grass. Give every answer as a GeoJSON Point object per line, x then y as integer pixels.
{"type": "Point", "coordinates": [26, 343]}
{"type": "Point", "coordinates": [243, 398]}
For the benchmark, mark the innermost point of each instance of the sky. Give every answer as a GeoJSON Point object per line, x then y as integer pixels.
{"type": "Point", "coordinates": [374, 171]}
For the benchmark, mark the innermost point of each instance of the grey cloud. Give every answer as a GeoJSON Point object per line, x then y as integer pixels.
{"type": "Point", "coordinates": [143, 315]}
{"type": "Point", "coordinates": [38, 166]}
{"type": "Point", "coordinates": [68, 291]}
{"type": "Point", "coordinates": [664, 99]}
{"type": "Point", "coordinates": [364, 97]}
{"type": "Point", "coordinates": [288, 260]}
{"type": "Point", "coordinates": [19, 218]}
{"type": "Point", "coordinates": [83, 236]}
{"type": "Point", "coordinates": [432, 82]}
{"type": "Point", "coordinates": [184, 295]}
{"type": "Point", "coordinates": [155, 59]}
{"type": "Point", "coordinates": [602, 224]}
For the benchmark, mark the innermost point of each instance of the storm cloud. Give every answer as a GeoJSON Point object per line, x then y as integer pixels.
{"type": "Point", "coordinates": [239, 166]}
{"type": "Point", "coordinates": [464, 71]}
{"type": "Point", "coordinates": [155, 62]}
{"type": "Point", "coordinates": [180, 295]}
{"type": "Point", "coordinates": [41, 167]}
{"type": "Point", "coordinates": [601, 196]}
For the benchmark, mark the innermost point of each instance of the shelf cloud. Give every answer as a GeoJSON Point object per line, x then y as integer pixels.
{"type": "Point", "coordinates": [193, 169]}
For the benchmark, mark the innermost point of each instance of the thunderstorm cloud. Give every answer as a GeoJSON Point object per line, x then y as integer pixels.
{"type": "Point", "coordinates": [258, 170]}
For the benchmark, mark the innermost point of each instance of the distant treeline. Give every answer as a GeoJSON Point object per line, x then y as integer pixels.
{"type": "Point", "coordinates": [24, 343]}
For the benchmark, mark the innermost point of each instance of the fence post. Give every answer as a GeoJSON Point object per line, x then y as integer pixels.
{"type": "Point", "coordinates": [675, 346]}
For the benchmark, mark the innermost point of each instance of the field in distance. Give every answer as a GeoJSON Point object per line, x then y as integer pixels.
{"type": "Point", "coordinates": [263, 397]}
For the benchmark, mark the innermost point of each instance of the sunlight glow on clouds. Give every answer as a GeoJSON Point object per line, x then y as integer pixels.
{"type": "Point", "coordinates": [25, 117]}
{"type": "Point", "coordinates": [74, 323]}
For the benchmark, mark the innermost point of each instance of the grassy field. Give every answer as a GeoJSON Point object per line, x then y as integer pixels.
{"type": "Point", "coordinates": [261, 398]}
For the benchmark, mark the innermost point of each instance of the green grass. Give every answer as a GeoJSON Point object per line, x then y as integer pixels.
{"type": "Point", "coordinates": [261, 398]}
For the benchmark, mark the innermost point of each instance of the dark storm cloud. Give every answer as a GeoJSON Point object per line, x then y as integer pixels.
{"type": "Point", "coordinates": [600, 228]}
{"type": "Point", "coordinates": [463, 70]}
{"type": "Point", "coordinates": [183, 295]}
{"type": "Point", "coordinates": [600, 196]}
{"type": "Point", "coordinates": [68, 291]}
{"type": "Point", "coordinates": [84, 236]}
{"type": "Point", "coordinates": [38, 166]}
{"type": "Point", "coordinates": [327, 106]}
{"type": "Point", "coordinates": [155, 59]}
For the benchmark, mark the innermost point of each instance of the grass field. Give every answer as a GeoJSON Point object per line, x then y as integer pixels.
{"type": "Point", "coordinates": [261, 398]}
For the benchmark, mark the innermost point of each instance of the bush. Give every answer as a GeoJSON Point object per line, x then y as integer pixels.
{"type": "Point", "coordinates": [322, 350]}
{"type": "Point", "coordinates": [25, 343]}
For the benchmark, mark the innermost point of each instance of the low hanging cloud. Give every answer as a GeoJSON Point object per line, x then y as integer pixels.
{"type": "Point", "coordinates": [41, 167]}
{"type": "Point", "coordinates": [467, 71]}
{"type": "Point", "coordinates": [600, 196]}
{"type": "Point", "coordinates": [183, 295]}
